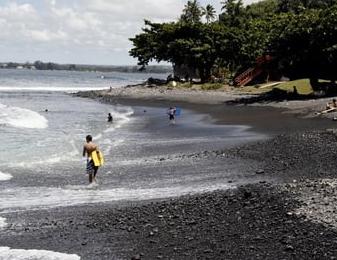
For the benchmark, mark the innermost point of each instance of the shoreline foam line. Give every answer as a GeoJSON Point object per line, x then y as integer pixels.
{"type": "Point", "coordinates": [22, 254]}
{"type": "Point", "coordinates": [3, 223]}
{"type": "Point", "coordinates": [51, 89]}
{"type": "Point", "coordinates": [31, 199]}
{"type": "Point", "coordinates": [5, 176]}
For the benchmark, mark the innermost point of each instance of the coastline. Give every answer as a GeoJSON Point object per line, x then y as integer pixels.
{"type": "Point", "coordinates": [264, 220]}
{"type": "Point", "coordinates": [300, 156]}
{"type": "Point", "coordinates": [262, 116]}
{"type": "Point", "coordinates": [158, 94]}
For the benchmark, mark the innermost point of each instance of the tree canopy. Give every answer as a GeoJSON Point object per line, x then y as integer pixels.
{"type": "Point", "coordinates": [192, 12]}
{"type": "Point", "coordinates": [300, 35]}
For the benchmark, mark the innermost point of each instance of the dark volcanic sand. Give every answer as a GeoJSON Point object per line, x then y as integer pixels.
{"type": "Point", "coordinates": [293, 156]}
{"type": "Point", "coordinates": [252, 222]}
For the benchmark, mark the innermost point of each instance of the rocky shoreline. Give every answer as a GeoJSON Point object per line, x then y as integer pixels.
{"type": "Point", "coordinates": [163, 93]}
{"type": "Point", "coordinates": [307, 108]}
{"type": "Point", "coordinates": [260, 221]}
{"type": "Point", "coordinates": [295, 218]}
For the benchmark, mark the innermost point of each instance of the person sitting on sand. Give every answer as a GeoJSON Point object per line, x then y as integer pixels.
{"type": "Point", "coordinates": [88, 148]}
{"type": "Point", "coordinates": [330, 107]}
{"type": "Point", "coordinates": [332, 104]}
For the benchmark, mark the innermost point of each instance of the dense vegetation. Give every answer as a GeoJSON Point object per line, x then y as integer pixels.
{"type": "Point", "coordinates": [300, 35]}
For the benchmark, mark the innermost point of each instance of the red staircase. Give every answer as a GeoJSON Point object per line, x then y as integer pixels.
{"type": "Point", "coordinates": [252, 73]}
{"type": "Point", "coordinates": [247, 76]}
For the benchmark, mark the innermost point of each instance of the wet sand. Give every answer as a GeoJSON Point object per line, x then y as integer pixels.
{"type": "Point", "coordinates": [281, 216]}
{"type": "Point", "coordinates": [267, 117]}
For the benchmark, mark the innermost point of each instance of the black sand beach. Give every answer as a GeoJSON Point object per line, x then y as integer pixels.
{"type": "Point", "coordinates": [280, 215]}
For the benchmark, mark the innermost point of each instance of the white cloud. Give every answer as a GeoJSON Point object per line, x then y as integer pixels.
{"type": "Point", "coordinates": [135, 10]}
{"type": "Point", "coordinates": [99, 27]}
{"type": "Point", "coordinates": [14, 11]}
{"type": "Point", "coordinates": [73, 19]}
{"type": "Point", "coordinates": [46, 36]}
{"type": "Point", "coordinates": [15, 21]}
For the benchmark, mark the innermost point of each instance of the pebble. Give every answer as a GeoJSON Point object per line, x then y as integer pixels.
{"type": "Point", "coordinates": [260, 171]}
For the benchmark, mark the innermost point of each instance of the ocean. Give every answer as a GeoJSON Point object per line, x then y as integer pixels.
{"type": "Point", "coordinates": [43, 130]}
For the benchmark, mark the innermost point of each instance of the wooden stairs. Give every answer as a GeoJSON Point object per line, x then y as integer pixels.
{"type": "Point", "coordinates": [251, 73]}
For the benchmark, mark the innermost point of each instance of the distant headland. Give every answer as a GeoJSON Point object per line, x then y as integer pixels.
{"type": "Point", "coordinates": [39, 65]}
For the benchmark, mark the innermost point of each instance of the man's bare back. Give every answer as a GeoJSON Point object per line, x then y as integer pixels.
{"type": "Point", "coordinates": [88, 148]}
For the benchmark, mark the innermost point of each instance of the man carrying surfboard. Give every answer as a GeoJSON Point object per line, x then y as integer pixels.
{"type": "Point", "coordinates": [89, 148]}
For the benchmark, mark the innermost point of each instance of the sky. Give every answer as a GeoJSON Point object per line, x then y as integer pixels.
{"type": "Point", "coordinates": [80, 31]}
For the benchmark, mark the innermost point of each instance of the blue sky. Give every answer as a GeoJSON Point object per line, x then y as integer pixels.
{"type": "Point", "coordinates": [79, 31]}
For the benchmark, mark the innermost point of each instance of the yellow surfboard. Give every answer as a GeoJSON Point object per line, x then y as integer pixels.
{"type": "Point", "coordinates": [97, 157]}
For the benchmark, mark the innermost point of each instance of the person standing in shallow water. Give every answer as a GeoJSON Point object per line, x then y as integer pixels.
{"type": "Point", "coordinates": [172, 113]}
{"type": "Point", "coordinates": [88, 148]}
{"type": "Point", "coordinates": [110, 119]}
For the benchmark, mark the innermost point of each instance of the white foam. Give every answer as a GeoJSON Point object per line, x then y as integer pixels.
{"type": "Point", "coordinates": [50, 88]}
{"type": "Point", "coordinates": [109, 130]}
{"type": "Point", "coordinates": [125, 118]}
{"type": "Point", "coordinates": [189, 140]}
{"type": "Point", "coordinates": [3, 223]}
{"type": "Point", "coordinates": [21, 117]}
{"type": "Point", "coordinates": [97, 137]}
{"type": "Point", "coordinates": [108, 145]}
{"type": "Point", "coordinates": [6, 253]}
{"type": "Point", "coordinates": [120, 116]}
{"type": "Point", "coordinates": [71, 156]}
{"type": "Point", "coordinates": [49, 197]}
{"type": "Point", "coordinates": [5, 176]}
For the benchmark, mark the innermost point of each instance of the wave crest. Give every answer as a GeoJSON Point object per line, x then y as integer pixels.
{"type": "Point", "coordinates": [21, 117]}
{"type": "Point", "coordinates": [5, 176]}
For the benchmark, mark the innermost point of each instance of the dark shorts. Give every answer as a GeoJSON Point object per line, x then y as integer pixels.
{"type": "Point", "coordinates": [171, 117]}
{"type": "Point", "coordinates": [91, 168]}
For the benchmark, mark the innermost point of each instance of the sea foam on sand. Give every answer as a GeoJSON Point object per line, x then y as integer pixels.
{"type": "Point", "coordinates": [3, 223]}
{"type": "Point", "coordinates": [5, 176]}
{"type": "Point", "coordinates": [7, 253]}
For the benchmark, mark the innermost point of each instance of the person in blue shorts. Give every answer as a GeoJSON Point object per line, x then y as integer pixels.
{"type": "Point", "coordinates": [88, 148]}
{"type": "Point", "coordinates": [172, 113]}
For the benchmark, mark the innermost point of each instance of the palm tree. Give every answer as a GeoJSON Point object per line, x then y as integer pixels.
{"type": "Point", "coordinates": [192, 12]}
{"type": "Point", "coordinates": [209, 13]}
{"type": "Point", "coordinates": [232, 12]}
{"type": "Point", "coordinates": [231, 7]}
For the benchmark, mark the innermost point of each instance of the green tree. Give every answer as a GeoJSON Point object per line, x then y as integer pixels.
{"type": "Point", "coordinates": [302, 39]}
{"type": "Point", "coordinates": [307, 45]}
{"type": "Point", "coordinates": [194, 45]}
{"type": "Point", "coordinates": [298, 6]}
{"type": "Point", "coordinates": [233, 13]}
{"type": "Point", "coordinates": [262, 9]}
{"type": "Point", "coordinates": [209, 13]}
{"type": "Point", "coordinates": [192, 12]}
